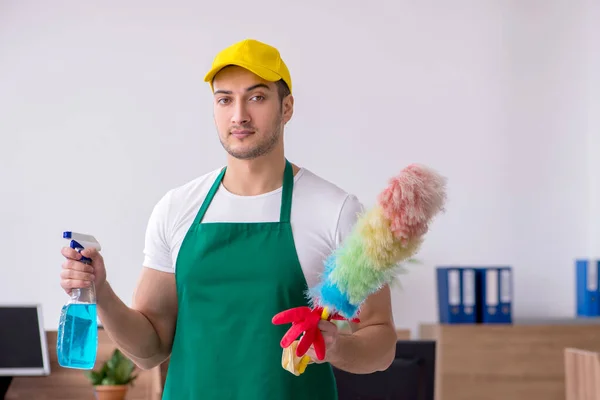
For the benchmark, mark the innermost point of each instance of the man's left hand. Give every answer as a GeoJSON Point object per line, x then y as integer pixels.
{"type": "Point", "coordinates": [330, 337]}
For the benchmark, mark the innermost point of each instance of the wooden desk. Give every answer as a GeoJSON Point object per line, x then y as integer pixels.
{"type": "Point", "coordinates": [72, 384]}
{"type": "Point", "coordinates": [517, 362]}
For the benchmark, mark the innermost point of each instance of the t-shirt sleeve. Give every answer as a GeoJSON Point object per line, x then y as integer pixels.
{"type": "Point", "coordinates": [157, 250]}
{"type": "Point", "coordinates": [349, 214]}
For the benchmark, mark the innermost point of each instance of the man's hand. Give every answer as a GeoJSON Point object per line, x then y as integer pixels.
{"type": "Point", "coordinates": [76, 274]}
{"type": "Point", "coordinates": [330, 337]}
{"type": "Point", "coordinates": [371, 345]}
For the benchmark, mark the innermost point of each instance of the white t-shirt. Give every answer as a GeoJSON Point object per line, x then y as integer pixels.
{"type": "Point", "coordinates": [322, 215]}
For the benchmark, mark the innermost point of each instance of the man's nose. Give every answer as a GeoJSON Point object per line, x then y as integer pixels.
{"type": "Point", "coordinates": [240, 115]}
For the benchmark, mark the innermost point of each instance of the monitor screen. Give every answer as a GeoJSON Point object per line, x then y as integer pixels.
{"type": "Point", "coordinates": [23, 345]}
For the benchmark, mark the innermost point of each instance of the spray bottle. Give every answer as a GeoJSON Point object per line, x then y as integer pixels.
{"type": "Point", "coordinates": [77, 341]}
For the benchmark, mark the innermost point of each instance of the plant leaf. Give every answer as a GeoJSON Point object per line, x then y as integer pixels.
{"type": "Point", "coordinates": [95, 377]}
{"type": "Point", "coordinates": [117, 370]}
{"type": "Point", "coordinates": [108, 381]}
{"type": "Point", "coordinates": [122, 371]}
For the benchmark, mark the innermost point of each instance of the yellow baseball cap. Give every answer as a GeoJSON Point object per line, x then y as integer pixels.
{"type": "Point", "coordinates": [257, 57]}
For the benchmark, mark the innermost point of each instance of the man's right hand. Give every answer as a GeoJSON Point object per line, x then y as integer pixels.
{"type": "Point", "coordinates": [144, 331]}
{"type": "Point", "coordinates": [76, 274]}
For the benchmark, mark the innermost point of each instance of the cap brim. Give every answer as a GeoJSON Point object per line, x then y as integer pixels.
{"type": "Point", "coordinates": [264, 73]}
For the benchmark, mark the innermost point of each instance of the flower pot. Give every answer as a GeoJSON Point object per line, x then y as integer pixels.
{"type": "Point", "coordinates": [110, 392]}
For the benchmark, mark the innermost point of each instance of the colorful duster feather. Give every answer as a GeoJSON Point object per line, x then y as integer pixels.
{"type": "Point", "coordinates": [370, 257]}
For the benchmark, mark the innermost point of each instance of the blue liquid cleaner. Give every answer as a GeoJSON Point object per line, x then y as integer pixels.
{"type": "Point", "coordinates": [77, 341]}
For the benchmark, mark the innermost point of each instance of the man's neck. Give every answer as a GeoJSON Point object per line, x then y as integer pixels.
{"type": "Point", "coordinates": [255, 177]}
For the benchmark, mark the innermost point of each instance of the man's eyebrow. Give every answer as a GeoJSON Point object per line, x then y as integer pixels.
{"type": "Point", "coordinates": [222, 92]}
{"type": "Point", "coordinates": [258, 85]}
{"type": "Point", "coordinates": [249, 89]}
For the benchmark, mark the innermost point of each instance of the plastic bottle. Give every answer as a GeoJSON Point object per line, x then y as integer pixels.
{"type": "Point", "coordinates": [77, 341]}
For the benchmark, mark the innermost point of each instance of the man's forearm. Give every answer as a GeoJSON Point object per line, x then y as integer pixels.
{"type": "Point", "coordinates": [129, 329]}
{"type": "Point", "coordinates": [365, 351]}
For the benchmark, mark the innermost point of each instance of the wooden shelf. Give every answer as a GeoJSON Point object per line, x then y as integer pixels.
{"type": "Point", "coordinates": [498, 362]}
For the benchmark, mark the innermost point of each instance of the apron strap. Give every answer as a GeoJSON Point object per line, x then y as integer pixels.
{"type": "Point", "coordinates": [286, 195]}
{"type": "Point", "coordinates": [209, 197]}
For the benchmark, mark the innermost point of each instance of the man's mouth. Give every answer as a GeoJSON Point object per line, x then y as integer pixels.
{"type": "Point", "coordinates": [241, 133]}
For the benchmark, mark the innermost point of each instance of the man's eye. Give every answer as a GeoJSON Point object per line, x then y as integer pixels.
{"type": "Point", "coordinates": [223, 101]}
{"type": "Point", "coordinates": [257, 98]}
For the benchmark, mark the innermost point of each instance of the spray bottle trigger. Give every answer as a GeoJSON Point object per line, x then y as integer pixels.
{"type": "Point", "coordinates": [75, 245]}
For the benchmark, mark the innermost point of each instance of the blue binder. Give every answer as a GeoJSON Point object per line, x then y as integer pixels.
{"type": "Point", "coordinates": [495, 295]}
{"type": "Point", "coordinates": [457, 296]}
{"type": "Point", "coordinates": [587, 288]}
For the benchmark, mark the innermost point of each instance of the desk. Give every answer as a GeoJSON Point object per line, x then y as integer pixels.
{"type": "Point", "coordinates": [524, 361]}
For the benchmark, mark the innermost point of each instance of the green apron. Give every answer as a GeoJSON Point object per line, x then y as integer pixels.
{"type": "Point", "coordinates": [232, 278]}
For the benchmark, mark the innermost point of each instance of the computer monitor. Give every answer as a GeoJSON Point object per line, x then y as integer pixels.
{"type": "Point", "coordinates": [410, 377]}
{"type": "Point", "coordinates": [23, 344]}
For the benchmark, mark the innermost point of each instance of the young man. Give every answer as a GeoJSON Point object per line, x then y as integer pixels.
{"type": "Point", "coordinates": [227, 251]}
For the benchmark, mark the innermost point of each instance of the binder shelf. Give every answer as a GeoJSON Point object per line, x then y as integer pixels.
{"type": "Point", "coordinates": [471, 295]}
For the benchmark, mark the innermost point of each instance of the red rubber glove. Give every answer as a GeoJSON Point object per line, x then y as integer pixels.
{"type": "Point", "coordinates": [304, 320]}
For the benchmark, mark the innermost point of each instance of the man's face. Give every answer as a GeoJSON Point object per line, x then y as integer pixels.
{"type": "Point", "coordinates": [248, 113]}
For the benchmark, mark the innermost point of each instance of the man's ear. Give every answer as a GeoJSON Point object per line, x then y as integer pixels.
{"type": "Point", "coordinates": [288, 108]}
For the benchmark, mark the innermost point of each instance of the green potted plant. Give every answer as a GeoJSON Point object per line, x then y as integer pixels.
{"type": "Point", "coordinates": [112, 380]}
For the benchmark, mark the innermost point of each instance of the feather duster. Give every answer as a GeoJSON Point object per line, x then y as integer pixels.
{"type": "Point", "coordinates": [370, 256]}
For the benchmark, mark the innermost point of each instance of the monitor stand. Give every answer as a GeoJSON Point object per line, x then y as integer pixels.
{"type": "Point", "coordinates": [4, 385]}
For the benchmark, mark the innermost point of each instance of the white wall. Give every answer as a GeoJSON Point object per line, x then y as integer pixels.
{"type": "Point", "coordinates": [591, 120]}
{"type": "Point", "coordinates": [550, 82]}
{"type": "Point", "coordinates": [103, 109]}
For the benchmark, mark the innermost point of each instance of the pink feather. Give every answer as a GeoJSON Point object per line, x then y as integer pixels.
{"type": "Point", "coordinates": [411, 200]}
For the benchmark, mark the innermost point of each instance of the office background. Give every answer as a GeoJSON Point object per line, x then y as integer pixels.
{"type": "Point", "coordinates": [103, 109]}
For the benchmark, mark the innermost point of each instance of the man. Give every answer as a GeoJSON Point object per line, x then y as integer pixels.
{"type": "Point", "coordinates": [227, 251]}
